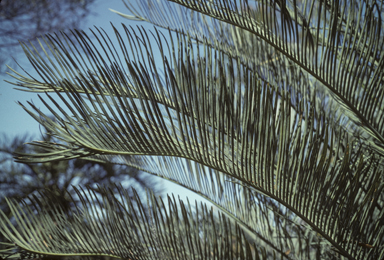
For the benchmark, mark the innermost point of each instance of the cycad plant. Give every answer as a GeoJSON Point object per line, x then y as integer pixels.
{"type": "Point", "coordinates": [271, 110]}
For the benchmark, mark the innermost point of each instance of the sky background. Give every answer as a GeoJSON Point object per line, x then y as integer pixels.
{"type": "Point", "coordinates": [16, 122]}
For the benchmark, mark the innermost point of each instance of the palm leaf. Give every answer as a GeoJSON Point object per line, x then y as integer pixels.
{"type": "Point", "coordinates": [265, 124]}
{"type": "Point", "coordinates": [170, 230]}
{"type": "Point", "coordinates": [310, 46]}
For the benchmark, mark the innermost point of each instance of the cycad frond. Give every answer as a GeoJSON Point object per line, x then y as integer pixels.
{"type": "Point", "coordinates": [338, 45]}
{"type": "Point", "coordinates": [257, 110]}
{"type": "Point", "coordinates": [170, 230]}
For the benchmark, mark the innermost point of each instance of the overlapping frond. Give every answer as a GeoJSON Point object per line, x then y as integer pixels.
{"type": "Point", "coordinates": [347, 61]}
{"type": "Point", "coordinates": [120, 227]}
{"type": "Point", "coordinates": [261, 218]}
{"type": "Point", "coordinates": [336, 47]}
{"type": "Point", "coordinates": [256, 107]}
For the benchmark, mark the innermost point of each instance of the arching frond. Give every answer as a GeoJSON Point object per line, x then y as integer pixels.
{"type": "Point", "coordinates": [253, 110]}
{"type": "Point", "coordinates": [170, 230]}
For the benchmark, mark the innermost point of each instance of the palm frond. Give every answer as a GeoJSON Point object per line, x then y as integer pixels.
{"type": "Point", "coordinates": [320, 40]}
{"type": "Point", "coordinates": [265, 122]}
{"type": "Point", "coordinates": [333, 63]}
{"type": "Point", "coordinates": [170, 230]}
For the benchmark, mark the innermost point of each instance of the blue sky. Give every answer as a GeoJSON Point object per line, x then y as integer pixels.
{"type": "Point", "coordinates": [16, 122]}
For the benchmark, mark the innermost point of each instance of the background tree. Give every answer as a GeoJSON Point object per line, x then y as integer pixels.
{"type": "Point", "coordinates": [18, 181]}
{"type": "Point", "coordinates": [26, 20]}
{"type": "Point", "coordinates": [277, 121]}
